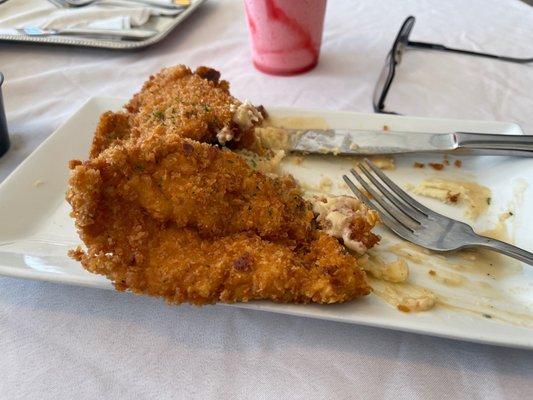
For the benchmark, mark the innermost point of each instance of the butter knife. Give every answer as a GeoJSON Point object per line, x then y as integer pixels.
{"type": "Point", "coordinates": [366, 142]}
{"type": "Point", "coordinates": [130, 34]}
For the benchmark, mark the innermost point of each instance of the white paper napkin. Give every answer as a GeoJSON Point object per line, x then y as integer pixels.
{"type": "Point", "coordinates": [21, 13]}
{"type": "Point", "coordinates": [98, 17]}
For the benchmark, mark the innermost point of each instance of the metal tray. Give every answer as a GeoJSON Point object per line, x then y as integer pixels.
{"type": "Point", "coordinates": [163, 25]}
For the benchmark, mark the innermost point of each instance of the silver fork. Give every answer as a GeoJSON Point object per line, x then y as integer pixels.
{"type": "Point", "coordinates": [418, 224]}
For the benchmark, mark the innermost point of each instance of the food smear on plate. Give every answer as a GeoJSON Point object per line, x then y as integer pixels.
{"type": "Point", "coordinates": [466, 281]}
{"type": "Point", "coordinates": [383, 162]}
{"type": "Point", "coordinates": [395, 271]}
{"type": "Point", "coordinates": [171, 204]}
{"type": "Point", "coordinates": [406, 297]}
{"type": "Point", "coordinates": [474, 196]}
{"type": "Point", "coordinates": [467, 274]}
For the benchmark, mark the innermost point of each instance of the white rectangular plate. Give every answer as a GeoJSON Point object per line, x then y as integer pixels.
{"type": "Point", "coordinates": [36, 231]}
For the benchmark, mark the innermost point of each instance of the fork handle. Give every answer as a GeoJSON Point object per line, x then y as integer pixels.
{"type": "Point", "coordinates": [491, 144]}
{"type": "Point", "coordinates": [504, 248]}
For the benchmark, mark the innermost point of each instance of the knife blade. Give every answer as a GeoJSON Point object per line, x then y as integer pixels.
{"type": "Point", "coordinates": [368, 142]}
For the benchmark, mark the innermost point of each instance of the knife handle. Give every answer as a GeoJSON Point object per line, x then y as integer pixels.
{"type": "Point", "coordinates": [491, 144]}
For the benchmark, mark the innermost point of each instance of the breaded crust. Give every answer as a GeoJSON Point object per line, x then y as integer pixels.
{"type": "Point", "coordinates": [192, 105]}
{"type": "Point", "coordinates": [113, 128]}
{"type": "Point", "coordinates": [190, 222]}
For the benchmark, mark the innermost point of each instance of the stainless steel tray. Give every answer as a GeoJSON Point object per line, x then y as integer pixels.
{"type": "Point", "coordinates": [163, 26]}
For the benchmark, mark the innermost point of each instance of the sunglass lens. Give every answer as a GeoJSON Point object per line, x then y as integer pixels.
{"type": "Point", "coordinates": [403, 39]}
{"type": "Point", "coordinates": [382, 84]}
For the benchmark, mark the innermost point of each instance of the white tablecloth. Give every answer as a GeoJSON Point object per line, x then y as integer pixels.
{"type": "Point", "coordinates": [60, 342]}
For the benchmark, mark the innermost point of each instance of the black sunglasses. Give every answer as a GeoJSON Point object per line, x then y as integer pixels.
{"type": "Point", "coordinates": [395, 57]}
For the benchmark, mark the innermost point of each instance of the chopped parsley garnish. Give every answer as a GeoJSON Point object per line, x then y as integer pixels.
{"type": "Point", "coordinates": [160, 115]}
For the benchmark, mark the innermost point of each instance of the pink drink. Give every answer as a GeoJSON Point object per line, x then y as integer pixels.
{"type": "Point", "coordinates": [285, 34]}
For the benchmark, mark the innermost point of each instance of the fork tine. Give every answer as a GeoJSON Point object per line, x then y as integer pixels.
{"type": "Point", "coordinates": [400, 192]}
{"type": "Point", "coordinates": [411, 212]}
{"type": "Point", "coordinates": [385, 204]}
{"type": "Point", "coordinates": [387, 220]}
{"type": "Point", "coordinates": [360, 195]}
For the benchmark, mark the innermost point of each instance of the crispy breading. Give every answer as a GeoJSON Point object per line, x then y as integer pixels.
{"type": "Point", "coordinates": [163, 212]}
{"type": "Point", "coordinates": [190, 222]}
{"type": "Point", "coordinates": [194, 105]}
{"type": "Point", "coordinates": [180, 266]}
{"type": "Point", "coordinates": [197, 185]}
{"type": "Point", "coordinates": [113, 127]}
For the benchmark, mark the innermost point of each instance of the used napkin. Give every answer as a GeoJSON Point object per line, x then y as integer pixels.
{"type": "Point", "coordinates": [21, 13]}
{"type": "Point", "coordinates": [97, 17]}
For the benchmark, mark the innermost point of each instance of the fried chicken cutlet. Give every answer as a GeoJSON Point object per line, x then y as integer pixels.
{"type": "Point", "coordinates": [171, 217]}
{"type": "Point", "coordinates": [196, 105]}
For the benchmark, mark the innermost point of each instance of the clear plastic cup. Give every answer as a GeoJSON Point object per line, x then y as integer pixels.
{"type": "Point", "coordinates": [285, 35]}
